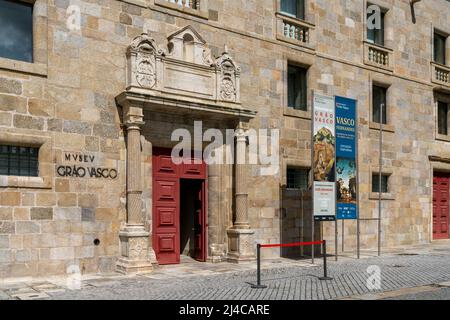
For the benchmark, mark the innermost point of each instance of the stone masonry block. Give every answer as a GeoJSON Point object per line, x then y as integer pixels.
{"type": "Point", "coordinates": [39, 213]}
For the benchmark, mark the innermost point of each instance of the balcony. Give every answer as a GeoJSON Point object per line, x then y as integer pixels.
{"type": "Point", "coordinates": [193, 7]}
{"type": "Point", "coordinates": [378, 56]}
{"type": "Point", "coordinates": [192, 4]}
{"type": "Point", "coordinates": [440, 74]}
{"type": "Point", "coordinates": [295, 31]}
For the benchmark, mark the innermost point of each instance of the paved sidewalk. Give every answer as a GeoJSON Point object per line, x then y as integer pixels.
{"type": "Point", "coordinates": [421, 267]}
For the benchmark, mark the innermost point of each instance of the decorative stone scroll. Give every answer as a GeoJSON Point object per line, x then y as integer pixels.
{"type": "Point", "coordinates": [185, 71]}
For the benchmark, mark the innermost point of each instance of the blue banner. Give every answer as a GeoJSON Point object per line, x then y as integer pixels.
{"type": "Point", "coordinates": [346, 164]}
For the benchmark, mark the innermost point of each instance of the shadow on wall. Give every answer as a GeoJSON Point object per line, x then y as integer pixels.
{"type": "Point", "coordinates": [296, 223]}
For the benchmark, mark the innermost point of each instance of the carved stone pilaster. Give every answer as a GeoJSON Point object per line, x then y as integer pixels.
{"type": "Point", "coordinates": [241, 244]}
{"type": "Point", "coordinates": [241, 196]}
{"type": "Point", "coordinates": [134, 239]}
{"type": "Point", "coordinates": [216, 243]}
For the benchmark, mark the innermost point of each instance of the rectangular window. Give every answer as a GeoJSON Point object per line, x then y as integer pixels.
{"type": "Point", "coordinates": [442, 118]}
{"type": "Point", "coordinates": [293, 8]}
{"type": "Point", "coordinates": [19, 161]}
{"type": "Point", "coordinates": [376, 183]}
{"type": "Point", "coordinates": [16, 30]}
{"type": "Point", "coordinates": [297, 178]}
{"type": "Point", "coordinates": [297, 87]}
{"type": "Point", "coordinates": [439, 48]}
{"type": "Point", "coordinates": [379, 104]}
{"type": "Point", "coordinates": [375, 26]}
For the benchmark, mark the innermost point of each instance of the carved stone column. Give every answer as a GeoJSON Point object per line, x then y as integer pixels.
{"type": "Point", "coordinates": [241, 244]}
{"type": "Point", "coordinates": [134, 239]}
{"type": "Point", "coordinates": [216, 245]}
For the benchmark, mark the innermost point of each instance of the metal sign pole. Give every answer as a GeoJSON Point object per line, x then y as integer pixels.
{"type": "Point", "coordinates": [379, 178]}
{"type": "Point", "coordinates": [336, 239]}
{"type": "Point", "coordinates": [312, 238]}
{"type": "Point", "coordinates": [302, 236]}
{"type": "Point", "coordinates": [343, 235]}
{"type": "Point", "coordinates": [312, 175]}
{"type": "Point", "coordinates": [358, 240]}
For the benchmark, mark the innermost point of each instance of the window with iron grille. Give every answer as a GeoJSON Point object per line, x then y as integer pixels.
{"type": "Point", "coordinates": [297, 178]}
{"type": "Point", "coordinates": [19, 161]}
{"type": "Point", "coordinates": [376, 182]}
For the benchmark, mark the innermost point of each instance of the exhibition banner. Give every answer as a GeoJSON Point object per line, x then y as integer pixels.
{"type": "Point", "coordinates": [323, 158]}
{"type": "Point", "coordinates": [346, 159]}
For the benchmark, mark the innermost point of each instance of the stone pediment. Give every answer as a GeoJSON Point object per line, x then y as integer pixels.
{"type": "Point", "coordinates": [182, 70]}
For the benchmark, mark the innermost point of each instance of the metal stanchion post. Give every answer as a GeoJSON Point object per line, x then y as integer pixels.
{"type": "Point", "coordinates": [258, 269]}
{"type": "Point", "coordinates": [325, 275]}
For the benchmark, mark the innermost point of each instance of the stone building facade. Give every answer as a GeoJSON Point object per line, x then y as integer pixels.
{"type": "Point", "coordinates": [101, 99]}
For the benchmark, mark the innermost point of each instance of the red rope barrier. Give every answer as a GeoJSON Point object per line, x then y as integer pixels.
{"type": "Point", "coordinates": [295, 244]}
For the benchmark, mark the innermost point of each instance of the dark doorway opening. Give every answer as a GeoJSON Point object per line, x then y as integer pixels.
{"type": "Point", "coordinates": [189, 205]}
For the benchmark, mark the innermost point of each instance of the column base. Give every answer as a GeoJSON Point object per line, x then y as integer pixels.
{"type": "Point", "coordinates": [217, 253]}
{"type": "Point", "coordinates": [134, 243]}
{"type": "Point", "coordinates": [241, 245]}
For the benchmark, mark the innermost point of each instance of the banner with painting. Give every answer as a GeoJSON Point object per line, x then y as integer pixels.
{"type": "Point", "coordinates": [346, 159]}
{"type": "Point", "coordinates": [323, 158]}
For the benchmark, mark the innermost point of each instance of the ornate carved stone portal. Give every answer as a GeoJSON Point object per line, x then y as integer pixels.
{"type": "Point", "coordinates": [185, 69]}
{"type": "Point", "coordinates": [183, 78]}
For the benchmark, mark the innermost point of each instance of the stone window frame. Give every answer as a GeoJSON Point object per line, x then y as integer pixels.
{"type": "Point", "coordinates": [40, 50]}
{"type": "Point", "coordinates": [309, 15]}
{"type": "Point", "coordinates": [301, 164]}
{"type": "Point", "coordinates": [309, 23]}
{"type": "Point", "coordinates": [202, 12]}
{"type": "Point", "coordinates": [388, 171]}
{"type": "Point", "coordinates": [441, 97]}
{"type": "Point", "coordinates": [387, 9]}
{"type": "Point", "coordinates": [445, 32]}
{"type": "Point", "coordinates": [45, 158]}
{"type": "Point", "coordinates": [445, 35]}
{"type": "Point", "coordinates": [308, 169]}
{"type": "Point", "coordinates": [386, 48]}
{"type": "Point", "coordinates": [306, 63]}
{"type": "Point", "coordinates": [385, 82]}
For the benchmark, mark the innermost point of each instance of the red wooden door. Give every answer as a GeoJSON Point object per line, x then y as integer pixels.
{"type": "Point", "coordinates": [166, 207]}
{"type": "Point", "coordinates": [200, 224]}
{"type": "Point", "coordinates": [440, 206]}
{"type": "Point", "coordinates": [166, 210]}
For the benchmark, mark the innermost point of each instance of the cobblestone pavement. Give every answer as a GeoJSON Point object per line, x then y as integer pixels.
{"type": "Point", "coordinates": [438, 294]}
{"type": "Point", "coordinates": [412, 268]}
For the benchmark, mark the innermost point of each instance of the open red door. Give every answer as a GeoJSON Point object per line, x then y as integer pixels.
{"type": "Point", "coordinates": [166, 210]}
{"type": "Point", "coordinates": [166, 223]}
{"type": "Point", "coordinates": [200, 224]}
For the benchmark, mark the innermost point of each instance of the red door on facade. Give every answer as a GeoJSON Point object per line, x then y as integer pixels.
{"type": "Point", "coordinates": [200, 223]}
{"type": "Point", "coordinates": [441, 205]}
{"type": "Point", "coordinates": [166, 207]}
